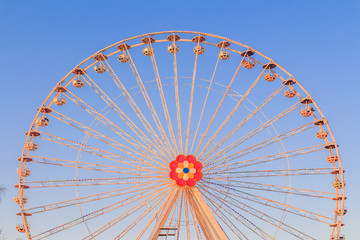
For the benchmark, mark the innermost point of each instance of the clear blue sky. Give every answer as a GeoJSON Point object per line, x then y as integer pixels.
{"type": "Point", "coordinates": [317, 41]}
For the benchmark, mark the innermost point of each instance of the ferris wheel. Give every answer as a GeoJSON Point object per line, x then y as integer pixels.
{"type": "Point", "coordinates": [180, 135]}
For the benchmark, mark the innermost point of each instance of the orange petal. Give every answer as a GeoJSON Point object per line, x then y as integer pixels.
{"type": "Point", "coordinates": [191, 175]}
{"type": "Point", "coordinates": [180, 175]}
{"type": "Point", "coordinates": [191, 165]}
{"type": "Point", "coordinates": [180, 165]}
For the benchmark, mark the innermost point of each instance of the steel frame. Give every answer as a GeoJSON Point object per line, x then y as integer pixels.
{"type": "Point", "coordinates": [153, 148]}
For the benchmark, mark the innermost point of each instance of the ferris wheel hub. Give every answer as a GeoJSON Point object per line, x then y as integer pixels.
{"type": "Point", "coordinates": [185, 170]}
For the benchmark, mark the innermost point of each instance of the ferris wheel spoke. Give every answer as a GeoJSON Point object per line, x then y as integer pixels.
{"type": "Point", "coordinates": [95, 214]}
{"type": "Point", "coordinates": [105, 139]}
{"type": "Point", "coordinates": [114, 127]}
{"type": "Point", "coordinates": [217, 213]}
{"type": "Point", "coordinates": [168, 147]}
{"type": "Point", "coordinates": [224, 209]}
{"type": "Point", "coordinates": [142, 216]}
{"type": "Point", "coordinates": [274, 204]}
{"type": "Point", "coordinates": [177, 101]}
{"type": "Point", "coordinates": [218, 108]}
{"type": "Point", "coordinates": [147, 197]}
{"type": "Point", "coordinates": [143, 187]}
{"type": "Point", "coordinates": [263, 144]}
{"type": "Point", "coordinates": [235, 203]}
{"type": "Point", "coordinates": [204, 105]}
{"type": "Point", "coordinates": [245, 120]}
{"type": "Point", "coordinates": [123, 116]}
{"type": "Point", "coordinates": [236, 215]}
{"type": "Point", "coordinates": [191, 104]}
{"type": "Point", "coordinates": [231, 113]}
{"type": "Point", "coordinates": [91, 132]}
{"type": "Point", "coordinates": [163, 102]}
{"type": "Point", "coordinates": [209, 224]}
{"type": "Point", "coordinates": [269, 158]}
{"type": "Point", "coordinates": [91, 150]}
{"type": "Point", "coordinates": [91, 182]}
{"type": "Point", "coordinates": [226, 220]}
{"type": "Point", "coordinates": [133, 104]}
{"type": "Point", "coordinates": [230, 225]}
{"type": "Point", "coordinates": [80, 164]}
{"type": "Point", "coordinates": [269, 173]}
{"type": "Point", "coordinates": [155, 215]}
{"type": "Point", "coordinates": [252, 133]}
{"type": "Point", "coordinates": [275, 188]}
{"type": "Point", "coordinates": [129, 212]}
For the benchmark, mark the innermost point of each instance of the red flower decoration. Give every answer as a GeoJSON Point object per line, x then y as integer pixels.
{"type": "Point", "coordinates": [185, 170]}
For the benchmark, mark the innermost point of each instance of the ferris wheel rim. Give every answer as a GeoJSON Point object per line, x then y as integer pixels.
{"type": "Point", "coordinates": [182, 32]}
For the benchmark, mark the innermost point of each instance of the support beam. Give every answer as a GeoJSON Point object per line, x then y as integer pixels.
{"type": "Point", "coordinates": [204, 227]}
{"type": "Point", "coordinates": [207, 216]}
{"type": "Point", "coordinates": [164, 214]}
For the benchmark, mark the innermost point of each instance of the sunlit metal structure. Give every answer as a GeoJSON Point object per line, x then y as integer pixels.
{"type": "Point", "coordinates": [180, 135]}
